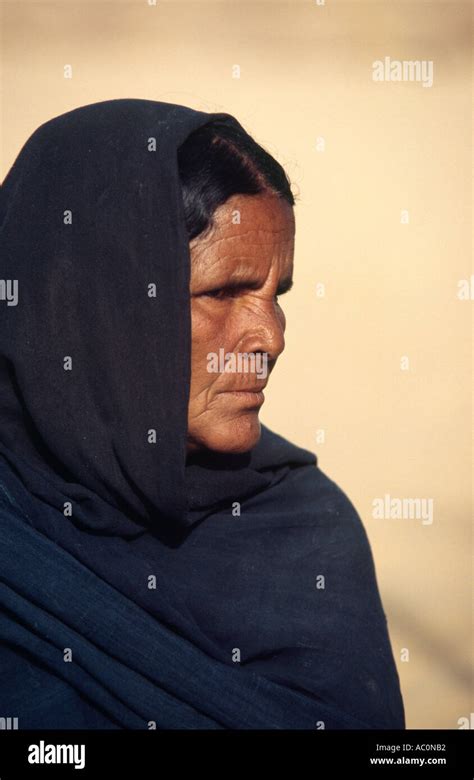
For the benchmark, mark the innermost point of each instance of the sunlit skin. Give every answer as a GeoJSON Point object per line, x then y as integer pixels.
{"type": "Point", "coordinates": [238, 273]}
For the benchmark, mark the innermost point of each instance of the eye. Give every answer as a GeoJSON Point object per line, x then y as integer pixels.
{"type": "Point", "coordinates": [220, 293]}
{"type": "Point", "coordinates": [223, 293]}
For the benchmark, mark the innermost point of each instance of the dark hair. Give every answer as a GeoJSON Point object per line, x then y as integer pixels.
{"type": "Point", "coordinates": [219, 160]}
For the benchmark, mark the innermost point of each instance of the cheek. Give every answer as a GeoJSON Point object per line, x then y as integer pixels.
{"type": "Point", "coordinates": [207, 329]}
{"type": "Point", "coordinates": [207, 335]}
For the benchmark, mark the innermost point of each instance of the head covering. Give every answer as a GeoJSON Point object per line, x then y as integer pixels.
{"type": "Point", "coordinates": [94, 385]}
{"type": "Point", "coordinates": [95, 356]}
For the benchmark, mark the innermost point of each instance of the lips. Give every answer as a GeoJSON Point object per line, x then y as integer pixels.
{"type": "Point", "coordinates": [251, 399]}
{"type": "Point", "coordinates": [256, 389]}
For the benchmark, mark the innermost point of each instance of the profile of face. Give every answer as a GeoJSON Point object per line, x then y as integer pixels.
{"type": "Point", "coordinates": [239, 268]}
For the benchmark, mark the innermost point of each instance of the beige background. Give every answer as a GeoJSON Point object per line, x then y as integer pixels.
{"type": "Point", "coordinates": [390, 288]}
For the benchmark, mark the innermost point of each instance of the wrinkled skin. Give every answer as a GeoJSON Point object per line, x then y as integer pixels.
{"type": "Point", "coordinates": [237, 273]}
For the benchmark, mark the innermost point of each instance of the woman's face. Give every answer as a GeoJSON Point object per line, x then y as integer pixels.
{"type": "Point", "coordinates": [237, 271]}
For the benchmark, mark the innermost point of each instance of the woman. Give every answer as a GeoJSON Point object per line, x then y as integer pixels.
{"type": "Point", "coordinates": [166, 561]}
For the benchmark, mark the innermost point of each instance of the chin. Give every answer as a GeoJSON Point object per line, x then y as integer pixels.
{"type": "Point", "coordinates": [236, 436]}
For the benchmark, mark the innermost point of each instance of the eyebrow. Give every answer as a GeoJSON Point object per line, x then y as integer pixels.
{"type": "Point", "coordinates": [285, 285]}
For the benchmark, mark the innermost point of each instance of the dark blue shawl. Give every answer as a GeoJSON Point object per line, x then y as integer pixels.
{"type": "Point", "coordinates": [133, 593]}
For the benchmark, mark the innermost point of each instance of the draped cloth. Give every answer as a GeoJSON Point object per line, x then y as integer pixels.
{"type": "Point", "coordinates": [139, 588]}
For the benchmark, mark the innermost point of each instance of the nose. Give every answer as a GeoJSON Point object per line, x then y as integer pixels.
{"type": "Point", "coordinates": [264, 331]}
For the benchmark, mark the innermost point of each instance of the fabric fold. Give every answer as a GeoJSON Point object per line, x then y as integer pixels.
{"type": "Point", "coordinates": [136, 662]}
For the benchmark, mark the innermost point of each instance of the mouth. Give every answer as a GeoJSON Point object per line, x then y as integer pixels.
{"type": "Point", "coordinates": [250, 397]}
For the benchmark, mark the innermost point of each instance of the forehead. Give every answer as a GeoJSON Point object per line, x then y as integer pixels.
{"type": "Point", "coordinates": [244, 222]}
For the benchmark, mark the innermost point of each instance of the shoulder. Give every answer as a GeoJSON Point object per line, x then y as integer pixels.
{"type": "Point", "coordinates": [302, 487]}
{"type": "Point", "coordinates": [311, 513]}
